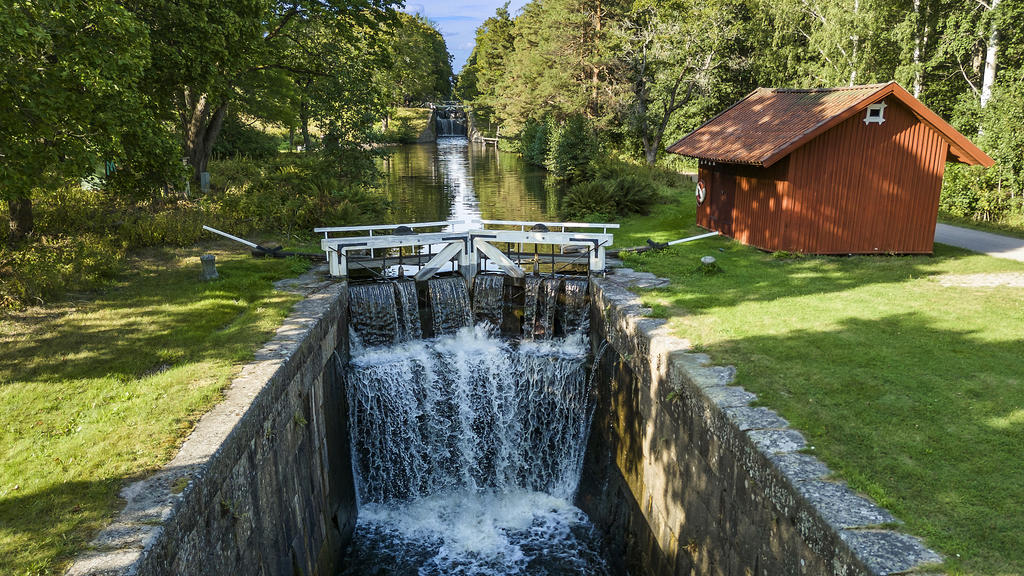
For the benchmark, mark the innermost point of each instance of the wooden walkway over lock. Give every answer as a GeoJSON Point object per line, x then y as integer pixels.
{"type": "Point", "coordinates": [508, 246]}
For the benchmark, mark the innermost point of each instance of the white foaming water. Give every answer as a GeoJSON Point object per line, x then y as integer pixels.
{"type": "Point", "coordinates": [468, 411]}
{"type": "Point", "coordinates": [518, 532]}
{"type": "Point", "coordinates": [468, 451]}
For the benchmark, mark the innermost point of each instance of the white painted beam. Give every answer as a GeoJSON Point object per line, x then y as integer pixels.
{"type": "Point", "coordinates": [441, 259]}
{"type": "Point", "coordinates": [498, 257]}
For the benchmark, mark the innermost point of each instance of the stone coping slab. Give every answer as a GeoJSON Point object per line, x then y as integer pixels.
{"type": "Point", "coordinates": [854, 519]}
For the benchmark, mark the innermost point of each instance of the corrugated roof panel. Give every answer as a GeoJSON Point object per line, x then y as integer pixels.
{"type": "Point", "coordinates": [772, 122]}
{"type": "Point", "coordinates": [756, 128]}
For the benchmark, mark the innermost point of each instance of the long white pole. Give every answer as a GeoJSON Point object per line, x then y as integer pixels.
{"type": "Point", "coordinates": [691, 238]}
{"type": "Point", "coordinates": [235, 238]}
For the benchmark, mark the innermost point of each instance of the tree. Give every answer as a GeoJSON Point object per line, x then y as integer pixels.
{"type": "Point", "coordinates": [841, 42]}
{"type": "Point", "coordinates": [245, 53]}
{"type": "Point", "coordinates": [332, 72]}
{"type": "Point", "coordinates": [561, 64]}
{"type": "Point", "coordinates": [480, 81]}
{"type": "Point", "coordinates": [419, 66]}
{"type": "Point", "coordinates": [673, 53]}
{"type": "Point", "coordinates": [71, 74]}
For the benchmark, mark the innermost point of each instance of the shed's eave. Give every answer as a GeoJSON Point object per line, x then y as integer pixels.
{"type": "Point", "coordinates": [763, 127]}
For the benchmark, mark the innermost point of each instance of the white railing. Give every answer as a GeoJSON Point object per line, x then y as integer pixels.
{"type": "Point", "coordinates": [376, 227]}
{"type": "Point", "coordinates": [469, 247]}
{"type": "Point", "coordinates": [561, 225]}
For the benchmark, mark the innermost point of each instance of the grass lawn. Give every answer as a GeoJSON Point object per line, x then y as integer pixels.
{"type": "Point", "coordinates": [101, 390]}
{"type": "Point", "coordinates": [910, 386]}
{"type": "Point", "coordinates": [406, 125]}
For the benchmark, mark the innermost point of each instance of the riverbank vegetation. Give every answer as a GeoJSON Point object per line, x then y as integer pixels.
{"type": "Point", "coordinates": [109, 131]}
{"type": "Point", "coordinates": [405, 126]}
{"type": "Point", "coordinates": [904, 373]}
{"type": "Point", "coordinates": [113, 118]}
{"type": "Point", "coordinates": [643, 74]}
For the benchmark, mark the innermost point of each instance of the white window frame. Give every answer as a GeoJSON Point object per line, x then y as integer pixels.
{"type": "Point", "coordinates": [877, 107]}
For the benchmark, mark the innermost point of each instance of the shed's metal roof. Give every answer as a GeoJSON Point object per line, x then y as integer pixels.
{"type": "Point", "coordinates": [770, 123]}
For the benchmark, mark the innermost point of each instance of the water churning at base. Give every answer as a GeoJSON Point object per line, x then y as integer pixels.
{"type": "Point", "coordinates": [468, 448]}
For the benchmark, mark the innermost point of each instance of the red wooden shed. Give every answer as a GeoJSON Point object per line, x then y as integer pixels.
{"type": "Point", "coordinates": [829, 171]}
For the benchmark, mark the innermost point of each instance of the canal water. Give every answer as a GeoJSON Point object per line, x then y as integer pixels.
{"type": "Point", "coordinates": [454, 179]}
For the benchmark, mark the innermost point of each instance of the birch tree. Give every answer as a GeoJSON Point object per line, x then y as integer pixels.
{"type": "Point", "coordinates": [672, 52]}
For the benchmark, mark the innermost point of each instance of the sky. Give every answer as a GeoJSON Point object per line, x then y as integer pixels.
{"type": "Point", "coordinates": [458, 20]}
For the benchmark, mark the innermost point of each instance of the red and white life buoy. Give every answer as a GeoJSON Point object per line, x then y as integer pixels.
{"type": "Point", "coordinates": [702, 192]}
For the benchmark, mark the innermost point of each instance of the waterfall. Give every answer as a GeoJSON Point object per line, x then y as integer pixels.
{"type": "Point", "coordinates": [467, 449]}
{"type": "Point", "coordinates": [384, 312]}
{"type": "Point", "coordinates": [547, 307]}
{"type": "Point", "coordinates": [576, 313]}
{"type": "Point", "coordinates": [450, 122]}
{"type": "Point", "coordinates": [409, 310]}
{"type": "Point", "coordinates": [374, 315]}
{"type": "Point", "coordinates": [449, 304]}
{"type": "Point", "coordinates": [488, 298]}
{"type": "Point", "coordinates": [553, 303]}
{"type": "Point", "coordinates": [530, 301]}
{"type": "Point", "coordinates": [468, 411]}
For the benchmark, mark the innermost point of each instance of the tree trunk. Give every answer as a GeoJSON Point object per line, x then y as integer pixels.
{"type": "Point", "coordinates": [991, 54]}
{"type": "Point", "coordinates": [650, 152]}
{"type": "Point", "coordinates": [202, 123]}
{"type": "Point", "coordinates": [595, 76]}
{"type": "Point", "coordinates": [917, 49]}
{"type": "Point", "coordinates": [856, 42]}
{"type": "Point", "coordinates": [22, 222]}
{"type": "Point", "coordinates": [304, 121]}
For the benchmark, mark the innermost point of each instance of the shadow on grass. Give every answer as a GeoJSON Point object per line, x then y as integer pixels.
{"type": "Point", "coordinates": [904, 409]}
{"type": "Point", "coordinates": [45, 527]}
{"type": "Point", "coordinates": [748, 274]}
{"type": "Point", "coordinates": [156, 320]}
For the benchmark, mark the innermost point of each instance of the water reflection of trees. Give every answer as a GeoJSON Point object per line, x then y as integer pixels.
{"type": "Point", "coordinates": [423, 182]}
{"type": "Point", "coordinates": [510, 189]}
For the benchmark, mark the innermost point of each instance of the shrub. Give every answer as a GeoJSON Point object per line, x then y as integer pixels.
{"type": "Point", "coordinates": [235, 172]}
{"type": "Point", "coordinates": [83, 234]}
{"type": "Point", "coordinates": [589, 201]}
{"type": "Point", "coordinates": [618, 190]}
{"type": "Point", "coordinates": [534, 142]}
{"type": "Point", "coordinates": [41, 270]}
{"type": "Point", "coordinates": [572, 149]}
{"type": "Point", "coordinates": [237, 138]}
{"type": "Point", "coordinates": [297, 197]}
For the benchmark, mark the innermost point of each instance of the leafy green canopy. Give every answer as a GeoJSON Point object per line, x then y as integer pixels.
{"type": "Point", "coordinates": [419, 66]}
{"type": "Point", "coordinates": [72, 73]}
{"type": "Point", "coordinates": [646, 72]}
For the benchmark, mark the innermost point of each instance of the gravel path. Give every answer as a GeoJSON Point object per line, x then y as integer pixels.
{"type": "Point", "coordinates": [1012, 279]}
{"type": "Point", "coordinates": [978, 241]}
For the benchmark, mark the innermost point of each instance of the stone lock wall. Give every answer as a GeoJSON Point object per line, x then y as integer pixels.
{"type": "Point", "coordinates": [264, 483]}
{"type": "Point", "coordinates": [684, 476]}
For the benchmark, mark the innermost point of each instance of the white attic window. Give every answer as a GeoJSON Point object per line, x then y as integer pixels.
{"type": "Point", "coordinates": [875, 113]}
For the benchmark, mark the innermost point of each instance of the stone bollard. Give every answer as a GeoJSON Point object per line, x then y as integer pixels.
{"type": "Point", "coordinates": [708, 266]}
{"type": "Point", "coordinates": [209, 271]}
